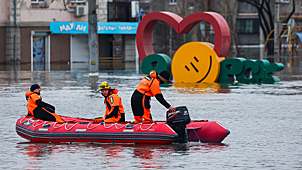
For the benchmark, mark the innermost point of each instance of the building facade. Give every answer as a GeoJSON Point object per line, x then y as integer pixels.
{"type": "Point", "coordinates": [53, 35]}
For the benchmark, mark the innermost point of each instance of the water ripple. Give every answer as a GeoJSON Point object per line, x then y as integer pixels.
{"type": "Point", "coordinates": [264, 120]}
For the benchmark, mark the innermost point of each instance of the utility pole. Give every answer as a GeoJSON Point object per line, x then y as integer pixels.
{"type": "Point", "coordinates": [276, 32]}
{"type": "Point", "coordinates": [208, 25]}
{"type": "Point", "coordinates": [93, 42]}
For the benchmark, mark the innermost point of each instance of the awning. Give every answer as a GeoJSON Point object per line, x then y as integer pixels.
{"type": "Point", "coordinates": [299, 35]}
{"type": "Point", "coordinates": [41, 33]}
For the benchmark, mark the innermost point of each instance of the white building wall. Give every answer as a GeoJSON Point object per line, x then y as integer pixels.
{"type": "Point", "coordinates": [50, 11]}
{"type": "Point", "coordinates": [5, 11]}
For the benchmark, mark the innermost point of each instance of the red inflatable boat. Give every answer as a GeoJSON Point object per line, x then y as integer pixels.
{"type": "Point", "coordinates": [84, 130]}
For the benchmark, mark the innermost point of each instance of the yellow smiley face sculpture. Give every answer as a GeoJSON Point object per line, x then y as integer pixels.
{"type": "Point", "coordinates": [196, 62]}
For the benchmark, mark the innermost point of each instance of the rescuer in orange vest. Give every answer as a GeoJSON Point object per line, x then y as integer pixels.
{"type": "Point", "coordinates": [114, 107]}
{"type": "Point", "coordinates": [39, 109]}
{"type": "Point", "coordinates": [141, 97]}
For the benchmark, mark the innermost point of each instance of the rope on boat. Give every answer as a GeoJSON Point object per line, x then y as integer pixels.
{"type": "Point", "coordinates": [195, 132]}
{"type": "Point", "coordinates": [147, 128]}
{"type": "Point", "coordinates": [44, 123]}
{"type": "Point", "coordinates": [22, 119]}
{"type": "Point", "coordinates": [30, 119]}
{"type": "Point", "coordinates": [38, 124]}
{"type": "Point", "coordinates": [71, 126]}
{"type": "Point", "coordinates": [25, 120]}
{"type": "Point", "coordinates": [53, 127]}
{"type": "Point", "coordinates": [122, 126]}
{"type": "Point", "coordinates": [93, 127]}
{"type": "Point", "coordinates": [109, 126]}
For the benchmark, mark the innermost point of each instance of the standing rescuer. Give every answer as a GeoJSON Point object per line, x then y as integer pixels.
{"type": "Point", "coordinates": [39, 109]}
{"type": "Point", "coordinates": [141, 97]}
{"type": "Point", "coordinates": [114, 107]}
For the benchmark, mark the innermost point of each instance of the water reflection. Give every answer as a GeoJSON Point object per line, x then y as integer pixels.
{"type": "Point", "coordinates": [198, 88]}
{"type": "Point", "coordinates": [209, 147]}
{"type": "Point", "coordinates": [257, 109]}
{"type": "Point", "coordinates": [143, 152]}
{"type": "Point", "coordinates": [14, 74]}
{"type": "Point", "coordinates": [37, 151]}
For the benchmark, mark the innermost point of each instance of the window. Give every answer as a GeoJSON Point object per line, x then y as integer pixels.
{"type": "Point", "coordinates": [246, 8]}
{"type": "Point", "coordinates": [37, 1]}
{"type": "Point", "coordinates": [172, 2]}
{"type": "Point", "coordinates": [119, 11]}
{"type": "Point", "coordinates": [249, 26]}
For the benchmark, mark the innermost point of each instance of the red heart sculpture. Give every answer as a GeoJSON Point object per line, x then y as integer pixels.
{"type": "Point", "coordinates": [182, 26]}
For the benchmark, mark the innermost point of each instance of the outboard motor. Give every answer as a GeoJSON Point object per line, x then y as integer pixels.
{"type": "Point", "coordinates": [178, 121]}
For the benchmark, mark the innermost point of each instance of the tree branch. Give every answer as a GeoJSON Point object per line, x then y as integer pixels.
{"type": "Point", "coordinates": [293, 11]}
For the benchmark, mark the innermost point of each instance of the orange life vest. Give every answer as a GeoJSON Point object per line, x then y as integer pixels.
{"type": "Point", "coordinates": [149, 85]}
{"type": "Point", "coordinates": [110, 102]}
{"type": "Point", "coordinates": [31, 98]}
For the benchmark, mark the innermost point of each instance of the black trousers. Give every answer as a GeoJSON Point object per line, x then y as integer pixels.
{"type": "Point", "coordinates": [137, 100]}
{"type": "Point", "coordinates": [42, 114]}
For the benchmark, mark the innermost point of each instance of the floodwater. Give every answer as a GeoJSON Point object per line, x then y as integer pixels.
{"type": "Point", "coordinates": [264, 120]}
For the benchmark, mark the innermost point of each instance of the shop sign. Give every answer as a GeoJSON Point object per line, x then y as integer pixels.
{"type": "Point", "coordinates": [69, 27]}
{"type": "Point", "coordinates": [102, 27]}
{"type": "Point", "coordinates": [117, 27]}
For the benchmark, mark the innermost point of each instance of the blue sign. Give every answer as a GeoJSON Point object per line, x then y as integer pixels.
{"type": "Point", "coordinates": [69, 27]}
{"type": "Point", "coordinates": [117, 27]}
{"type": "Point", "coordinates": [102, 27]}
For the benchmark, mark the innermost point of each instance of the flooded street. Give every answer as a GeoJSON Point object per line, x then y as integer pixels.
{"type": "Point", "coordinates": [264, 120]}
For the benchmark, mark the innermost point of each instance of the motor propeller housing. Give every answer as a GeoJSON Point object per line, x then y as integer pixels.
{"type": "Point", "coordinates": [178, 121]}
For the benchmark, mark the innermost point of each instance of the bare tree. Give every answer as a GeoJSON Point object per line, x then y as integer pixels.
{"type": "Point", "coordinates": [229, 10]}
{"type": "Point", "coordinates": [265, 16]}
{"type": "Point", "coordinates": [187, 7]}
{"type": "Point", "coordinates": [165, 38]}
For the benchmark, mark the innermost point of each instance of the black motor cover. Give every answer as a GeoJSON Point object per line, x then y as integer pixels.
{"type": "Point", "coordinates": [178, 121]}
{"type": "Point", "coordinates": [181, 116]}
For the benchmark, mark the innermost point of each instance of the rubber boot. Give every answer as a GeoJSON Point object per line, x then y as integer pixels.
{"type": "Point", "coordinates": [138, 119]}
{"type": "Point", "coordinates": [147, 121]}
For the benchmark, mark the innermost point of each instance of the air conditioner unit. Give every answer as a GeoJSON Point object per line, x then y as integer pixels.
{"type": "Point", "coordinates": [77, 1]}
{"type": "Point", "coordinates": [80, 10]}
{"type": "Point", "coordinates": [285, 1]}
